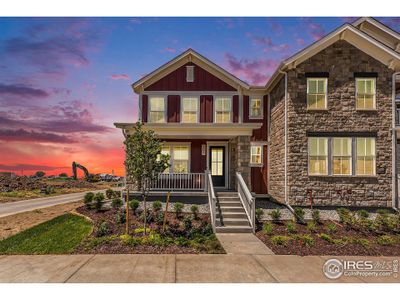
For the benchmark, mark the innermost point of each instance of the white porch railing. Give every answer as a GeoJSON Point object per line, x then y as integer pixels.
{"type": "Point", "coordinates": [247, 199]}
{"type": "Point", "coordinates": [212, 199]}
{"type": "Point", "coordinates": [179, 182]}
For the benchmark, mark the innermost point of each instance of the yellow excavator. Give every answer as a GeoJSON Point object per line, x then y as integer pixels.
{"type": "Point", "coordinates": [88, 176]}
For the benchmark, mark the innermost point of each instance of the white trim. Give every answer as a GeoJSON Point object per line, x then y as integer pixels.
{"type": "Point", "coordinates": [378, 24]}
{"type": "Point", "coordinates": [326, 160]}
{"type": "Point", "coordinates": [181, 109]}
{"type": "Point", "coordinates": [171, 145]}
{"type": "Point", "coordinates": [356, 89]}
{"type": "Point", "coordinates": [326, 92]}
{"type": "Point", "coordinates": [215, 110]}
{"type": "Point", "coordinates": [165, 108]}
{"type": "Point", "coordinates": [227, 173]}
{"type": "Point", "coordinates": [262, 107]}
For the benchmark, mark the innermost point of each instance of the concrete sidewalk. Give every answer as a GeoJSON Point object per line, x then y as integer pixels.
{"type": "Point", "coordinates": [173, 268]}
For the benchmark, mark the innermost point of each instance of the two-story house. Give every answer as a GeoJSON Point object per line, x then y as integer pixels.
{"type": "Point", "coordinates": [321, 131]}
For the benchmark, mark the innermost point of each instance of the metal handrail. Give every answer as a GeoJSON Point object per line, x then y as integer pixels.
{"type": "Point", "coordinates": [247, 200]}
{"type": "Point", "coordinates": [212, 199]}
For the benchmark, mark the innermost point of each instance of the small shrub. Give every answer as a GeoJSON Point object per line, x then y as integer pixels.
{"type": "Point", "coordinates": [149, 219]}
{"type": "Point", "coordinates": [291, 227]}
{"type": "Point", "coordinates": [134, 205]}
{"type": "Point", "coordinates": [363, 214]}
{"type": "Point", "coordinates": [157, 205]}
{"type": "Point", "coordinates": [141, 230]}
{"type": "Point", "coordinates": [195, 210]}
{"type": "Point", "coordinates": [315, 214]}
{"type": "Point", "coordinates": [159, 219]}
{"type": "Point", "coordinates": [178, 207]}
{"type": "Point", "coordinates": [187, 223]}
{"type": "Point", "coordinates": [331, 228]}
{"type": "Point", "coordinates": [325, 237]}
{"type": "Point", "coordinates": [117, 194]}
{"type": "Point", "coordinates": [343, 213]}
{"type": "Point", "coordinates": [259, 214]}
{"type": "Point", "coordinates": [120, 217]}
{"type": "Point", "coordinates": [268, 228]}
{"type": "Point", "coordinates": [385, 240]}
{"type": "Point", "coordinates": [311, 226]}
{"type": "Point", "coordinates": [280, 240]}
{"type": "Point", "coordinates": [361, 242]}
{"type": "Point", "coordinates": [276, 215]}
{"type": "Point", "coordinates": [383, 211]}
{"type": "Point", "coordinates": [98, 201]}
{"type": "Point", "coordinates": [109, 193]}
{"type": "Point", "coordinates": [307, 240]}
{"type": "Point", "coordinates": [88, 199]}
{"type": "Point", "coordinates": [116, 203]}
{"type": "Point", "coordinates": [299, 215]}
{"type": "Point", "coordinates": [104, 229]}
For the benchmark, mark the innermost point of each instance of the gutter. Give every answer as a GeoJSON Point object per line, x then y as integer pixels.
{"type": "Point", "coordinates": [395, 206]}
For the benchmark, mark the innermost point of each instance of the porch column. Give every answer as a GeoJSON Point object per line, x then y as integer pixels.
{"type": "Point", "coordinates": [240, 160]}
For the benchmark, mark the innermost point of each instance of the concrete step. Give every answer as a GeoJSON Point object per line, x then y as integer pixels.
{"type": "Point", "coordinates": [233, 229]}
{"type": "Point", "coordinates": [227, 194]}
{"type": "Point", "coordinates": [230, 204]}
{"type": "Point", "coordinates": [228, 209]}
{"type": "Point", "coordinates": [227, 199]}
{"type": "Point", "coordinates": [233, 215]}
{"type": "Point", "coordinates": [233, 222]}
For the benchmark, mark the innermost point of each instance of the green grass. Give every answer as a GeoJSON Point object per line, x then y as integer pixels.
{"type": "Point", "coordinates": [57, 236]}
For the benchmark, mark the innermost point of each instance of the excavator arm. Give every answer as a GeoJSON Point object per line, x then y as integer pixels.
{"type": "Point", "coordinates": [76, 165]}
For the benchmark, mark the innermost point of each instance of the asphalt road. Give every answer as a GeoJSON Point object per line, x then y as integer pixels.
{"type": "Point", "coordinates": [12, 208]}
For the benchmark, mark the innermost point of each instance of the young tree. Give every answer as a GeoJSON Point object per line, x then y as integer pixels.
{"type": "Point", "coordinates": [144, 160]}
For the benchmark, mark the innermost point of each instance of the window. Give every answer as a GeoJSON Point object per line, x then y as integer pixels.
{"type": "Point", "coordinates": [189, 73]}
{"type": "Point", "coordinates": [318, 156]}
{"type": "Point", "coordinates": [223, 108]}
{"type": "Point", "coordinates": [341, 156]}
{"type": "Point", "coordinates": [217, 162]}
{"type": "Point", "coordinates": [180, 163]}
{"type": "Point", "coordinates": [317, 93]}
{"type": "Point", "coordinates": [365, 93]}
{"type": "Point", "coordinates": [256, 155]}
{"type": "Point", "coordinates": [256, 108]}
{"type": "Point", "coordinates": [365, 162]}
{"type": "Point", "coordinates": [157, 110]}
{"type": "Point", "coordinates": [190, 108]}
{"type": "Point", "coordinates": [166, 151]}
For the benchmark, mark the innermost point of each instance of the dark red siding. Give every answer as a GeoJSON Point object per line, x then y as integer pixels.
{"type": "Point", "coordinates": [259, 176]}
{"type": "Point", "coordinates": [206, 109]}
{"type": "Point", "coordinates": [145, 104]}
{"type": "Point", "coordinates": [203, 81]}
{"type": "Point", "coordinates": [174, 108]}
{"type": "Point", "coordinates": [235, 108]}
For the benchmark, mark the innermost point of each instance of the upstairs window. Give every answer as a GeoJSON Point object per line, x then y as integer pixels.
{"type": "Point", "coordinates": [317, 93]}
{"type": "Point", "coordinates": [318, 156]}
{"type": "Point", "coordinates": [223, 109]}
{"type": "Point", "coordinates": [365, 93]}
{"type": "Point", "coordinates": [341, 156]}
{"type": "Point", "coordinates": [156, 110]}
{"type": "Point", "coordinates": [256, 111]}
{"type": "Point", "coordinates": [190, 109]}
{"type": "Point", "coordinates": [189, 73]}
{"type": "Point", "coordinates": [365, 162]}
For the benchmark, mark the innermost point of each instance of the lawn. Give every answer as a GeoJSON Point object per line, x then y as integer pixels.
{"type": "Point", "coordinates": [57, 236]}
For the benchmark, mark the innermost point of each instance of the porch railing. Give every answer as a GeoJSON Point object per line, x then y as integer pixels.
{"type": "Point", "coordinates": [212, 199]}
{"type": "Point", "coordinates": [179, 182]}
{"type": "Point", "coordinates": [247, 200]}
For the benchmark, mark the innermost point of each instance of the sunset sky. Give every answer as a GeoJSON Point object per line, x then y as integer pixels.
{"type": "Point", "coordinates": [65, 81]}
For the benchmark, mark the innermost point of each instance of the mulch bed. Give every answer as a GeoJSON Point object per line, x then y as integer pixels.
{"type": "Point", "coordinates": [323, 247]}
{"type": "Point", "coordinates": [116, 246]}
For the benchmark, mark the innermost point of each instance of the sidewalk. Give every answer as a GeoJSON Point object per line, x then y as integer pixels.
{"type": "Point", "coordinates": [172, 268]}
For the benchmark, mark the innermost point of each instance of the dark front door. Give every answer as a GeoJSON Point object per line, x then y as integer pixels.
{"type": "Point", "coordinates": [217, 165]}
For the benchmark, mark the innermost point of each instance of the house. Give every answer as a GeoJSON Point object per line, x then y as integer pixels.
{"type": "Point", "coordinates": [321, 131]}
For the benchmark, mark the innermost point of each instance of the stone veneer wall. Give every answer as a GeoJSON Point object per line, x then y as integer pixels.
{"type": "Point", "coordinates": [240, 160]}
{"type": "Point", "coordinates": [341, 60]}
{"type": "Point", "coordinates": [276, 160]}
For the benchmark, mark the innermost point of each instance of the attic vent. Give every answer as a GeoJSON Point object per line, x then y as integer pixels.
{"type": "Point", "coordinates": [189, 73]}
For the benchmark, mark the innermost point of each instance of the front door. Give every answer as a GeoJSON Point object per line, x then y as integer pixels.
{"type": "Point", "coordinates": [217, 165]}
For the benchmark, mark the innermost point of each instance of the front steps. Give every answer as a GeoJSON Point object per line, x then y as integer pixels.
{"type": "Point", "coordinates": [231, 216]}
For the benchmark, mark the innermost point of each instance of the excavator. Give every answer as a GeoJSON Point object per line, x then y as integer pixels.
{"type": "Point", "coordinates": [88, 176]}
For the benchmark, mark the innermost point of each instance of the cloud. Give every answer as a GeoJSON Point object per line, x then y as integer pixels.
{"type": "Point", "coordinates": [255, 71]}
{"type": "Point", "coordinates": [10, 135]}
{"type": "Point", "coordinates": [300, 42]}
{"type": "Point", "coordinates": [268, 44]}
{"type": "Point", "coordinates": [120, 77]}
{"type": "Point", "coordinates": [169, 49]}
{"type": "Point", "coordinates": [315, 30]}
{"type": "Point", "coordinates": [29, 167]}
{"type": "Point", "coordinates": [21, 90]}
{"type": "Point", "coordinates": [276, 27]}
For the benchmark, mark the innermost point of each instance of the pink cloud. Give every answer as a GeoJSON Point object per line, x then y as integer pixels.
{"type": "Point", "coordinates": [120, 77]}
{"type": "Point", "coordinates": [315, 30]}
{"type": "Point", "coordinates": [300, 41]}
{"type": "Point", "coordinates": [170, 49]}
{"type": "Point", "coordinates": [269, 45]}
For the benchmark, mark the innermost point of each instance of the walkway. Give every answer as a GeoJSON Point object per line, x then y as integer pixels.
{"type": "Point", "coordinates": [242, 243]}
{"type": "Point", "coordinates": [172, 268]}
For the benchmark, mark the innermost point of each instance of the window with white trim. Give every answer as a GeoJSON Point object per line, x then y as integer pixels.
{"type": "Point", "coordinates": [156, 110]}
{"type": "Point", "coordinates": [317, 156]}
{"type": "Point", "coordinates": [256, 155]}
{"type": "Point", "coordinates": [366, 157]}
{"type": "Point", "coordinates": [365, 93]}
{"type": "Point", "coordinates": [190, 109]}
{"type": "Point", "coordinates": [317, 93]}
{"type": "Point", "coordinates": [179, 159]}
{"type": "Point", "coordinates": [223, 109]}
{"type": "Point", "coordinates": [189, 73]}
{"type": "Point", "coordinates": [256, 105]}
{"type": "Point", "coordinates": [341, 156]}
{"type": "Point", "coordinates": [165, 150]}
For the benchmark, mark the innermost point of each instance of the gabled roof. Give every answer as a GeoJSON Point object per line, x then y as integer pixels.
{"type": "Point", "coordinates": [346, 32]}
{"type": "Point", "coordinates": [189, 56]}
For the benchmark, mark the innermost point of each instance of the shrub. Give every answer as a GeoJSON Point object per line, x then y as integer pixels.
{"type": "Point", "coordinates": [187, 223]}
{"type": "Point", "coordinates": [383, 211]}
{"type": "Point", "coordinates": [103, 229]}
{"type": "Point", "coordinates": [331, 227]}
{"type": "Point", "coordinates": [299, 214]}
{"type": "Point", "coordinates": [149, 218]}
{"type": "Point", "coordinates": [361, 242]}
{"type": "Point", "coordinates": [268, 228]}
{"type": "Point", "coordinates": [141, 230]}
{"type": "Point", "coordinates": [316, 216]}
{"type": "Point", "coordinates": [259, 214]}
{"type": "Point", "coordinates": [98, 201]}
{"type": "Point", "coordinates": [311, 226]}
{"type": "Point", "coordinates": [325, 237]}
{"type": "Point", "coordinates": [276, 215]}
{"type": "Point", "coordinates": [291, 227]}
{"type": "Point", "coordinates": [344, 214]}
{"type": "Point", "coordinates": [116, 203]}
{"type": "Point", "coordinates": [117, 194]}
{"type": "Point", "coordinates": [178, 207]}
{"type": "Point", "coordinates": [385, 240]}
{"type": "Point", "coordinates": [88, 199]}
{"type": "Point", "coordinates": [159, 219]}
{"type": "Point", "coordinates": [109, 193]}
{"type": "Point", "coordinates": [195, 210]}
{"type": "Point", "coordinates": [363, 214]}
{"type": "Point", "coordinates": [280, 240]}
{"type": "Point", "coordinates": [120, 217]}
{"type": "Point", "coordinates": [157, 205]}
{"type": "Point", "coordinates": [307, 240]}
{"type": "Point", "coordinates": [134, 205]}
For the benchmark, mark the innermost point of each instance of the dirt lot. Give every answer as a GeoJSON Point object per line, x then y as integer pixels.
{"type": "Point", "coordinates": [11, 225]}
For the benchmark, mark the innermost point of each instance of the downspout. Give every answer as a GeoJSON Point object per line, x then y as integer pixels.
{"type": "Point", "coordinates": [394, 143]}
